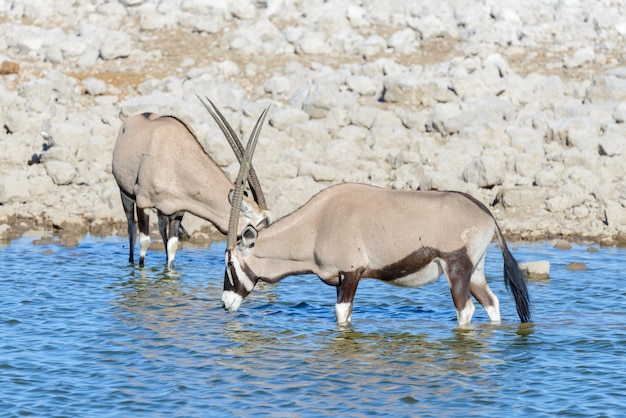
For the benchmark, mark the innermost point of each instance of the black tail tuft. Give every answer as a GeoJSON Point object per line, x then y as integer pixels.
{"type": "Point", "coordinates": [515, 282]}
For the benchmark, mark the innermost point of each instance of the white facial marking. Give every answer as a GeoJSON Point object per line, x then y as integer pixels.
{"type": "Point", "coordinates": [231, 301]}
{"type": "Point", "coordinates": [343, 312]}
{"type": "Point", "coordinates": [242, 277]}
{"type": "Point", "coordinates": [265, 215]}
{"type": "Point", "coordinates": [172, 246]}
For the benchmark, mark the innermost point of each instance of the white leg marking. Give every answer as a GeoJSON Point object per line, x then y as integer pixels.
{"type": "Point", "coordinates": [172, 246]}
{"type": "Point", "coordinates": [493, 312]}
{"type": "Point", "coordinates": [465, 315]}
{"type": "Point", "coordinates": [343, 312]}
{"type": "Point", "coordinates": [479, 280]}
{"type": "Point", "coordinates": [231, 301]}
{"type": "Point", "coordinates": [144, 243]}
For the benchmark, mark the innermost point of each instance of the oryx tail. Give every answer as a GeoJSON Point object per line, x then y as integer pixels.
{"type": "Point", "coordinates": [514, 279]}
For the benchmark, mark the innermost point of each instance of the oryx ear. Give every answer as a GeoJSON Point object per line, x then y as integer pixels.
{"type": "Point", "coordinates": [246, 207]}
{"type": "Point", "coordinates": [248, 237]}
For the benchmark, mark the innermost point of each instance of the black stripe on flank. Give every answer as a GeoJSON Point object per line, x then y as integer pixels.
{"type": "Point", "coordinates": [419, 259]}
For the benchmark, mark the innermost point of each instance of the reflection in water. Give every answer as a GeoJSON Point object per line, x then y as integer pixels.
{"type": "Point", "coordinates": [393, 365]}
{"type": "Point", "coordinates": [95, 336]}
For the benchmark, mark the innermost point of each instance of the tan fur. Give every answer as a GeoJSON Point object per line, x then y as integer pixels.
{"type": "Point", "coordinates": [344, 228]}
{"type": "Point", "coordinates": [352, 231]}
{"type": "Point", "coordinates": [159, 163]}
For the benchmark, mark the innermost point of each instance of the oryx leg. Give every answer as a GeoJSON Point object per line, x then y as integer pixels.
{"type": "Point", "coordinates": [346, 290]}
{"type": "Point", "coordinates": [169, 227]}
{"type": "Point", "coordinates": [129, 210]}
{"type": "Point", "coordinates": [143, 221]}
{"type": "Point", "coordinates": [482, 292]}
{"type": "Point", "coordinates": [459, 273]}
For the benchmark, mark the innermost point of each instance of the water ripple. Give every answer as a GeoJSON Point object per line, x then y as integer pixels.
{"type": "Point", "coordinates": [82, 332]}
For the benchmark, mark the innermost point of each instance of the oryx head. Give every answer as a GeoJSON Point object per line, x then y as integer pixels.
{"type": "Point", "coordinates": [238, 279]}
{"type": "Point", "coordinates": [254, 210]}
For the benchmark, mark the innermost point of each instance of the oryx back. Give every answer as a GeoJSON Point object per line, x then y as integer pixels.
{"type": "Point", "coordinates": [390, 231]}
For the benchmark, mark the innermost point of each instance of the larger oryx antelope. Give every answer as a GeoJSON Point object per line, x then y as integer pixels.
{"type": "Point", "coordinates": [158, 163]}
{"type": "Point", "coordinates": [352, 231]}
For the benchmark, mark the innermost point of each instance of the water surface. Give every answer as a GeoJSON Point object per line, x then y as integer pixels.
{"type": "Point", "coordinates": [84, 333]}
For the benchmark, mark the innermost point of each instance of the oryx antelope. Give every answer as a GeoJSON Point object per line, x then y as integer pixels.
{"type": "Point", "coordinates": [158, 163]}
{"type": "Point", "coordinates": [352, 231]}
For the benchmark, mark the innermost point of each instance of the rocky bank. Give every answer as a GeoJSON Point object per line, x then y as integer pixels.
{"type": "Point", "coordinates": [521, 104]}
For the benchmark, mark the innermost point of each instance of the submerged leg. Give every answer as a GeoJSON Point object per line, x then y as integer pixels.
{"type": "Point", "coordinates": [143, 219]}
{"type": "Point", "coordinates": [483, 293]}
{"type": "Point", "coordinates": [172, 241]}
{"type": "Point", "coordinates": [459, 273]}
{"type": "Point", "coordinates": [346, 290]}
{"type": "Point", "coordinates": [129, 210]}
{"type": "Point", "coordinates": [163, 221]}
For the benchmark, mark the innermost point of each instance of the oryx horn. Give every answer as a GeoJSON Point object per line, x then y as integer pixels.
{"type": "Point", "coordinates": [237, 148]}
{"type": "Point", "coordinates": [243, 173]}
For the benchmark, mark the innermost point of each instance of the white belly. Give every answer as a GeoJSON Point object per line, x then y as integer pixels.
{"type": "Point", "coordinates": [428, 274]}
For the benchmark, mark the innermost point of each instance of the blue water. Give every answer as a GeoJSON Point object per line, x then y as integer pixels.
{"type": "Point", "coordinates": [84, 333]}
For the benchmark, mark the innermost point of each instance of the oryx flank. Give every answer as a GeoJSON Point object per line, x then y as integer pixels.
{"type": "Point", "coordinates": [352, 231]}
{"type": "Point", "coordinates": [158, 163]}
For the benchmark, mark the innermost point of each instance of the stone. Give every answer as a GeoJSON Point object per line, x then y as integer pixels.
{"type": "Point", "coordinates": [576, 266]}
{"type": "Point", "coordinates": [115, 45]}
{"type": "Point", "coordinates": [287, 117]}
{"type": "Point", "coordinates": [536, 270]}
{"type": "Point", "coordinates": [62, 173]}
{"type": "Point", "coordinates": [94, 86]}
{"type": "Point", "coordinates": [485, 172]}
{"type": "Point", "coordinates": [606, 88]}
{"type": "Point", "coordinates": [410, 89]}
{"type": "Point", "coordinates": [5, 232]}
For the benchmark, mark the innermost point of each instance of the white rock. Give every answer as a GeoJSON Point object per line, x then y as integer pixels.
{"type": "Point", "coordinates": [277, 85]}
{"type": "Point", "coordinates": [94, 86]}
{"type": "Point", "coordinates": [403, 41]}
{"type": "Point", "coordinates": [410, 89]}
{"type": "Point", "coordinates": [606, 88]}
{"type": "Point", "coordinates": [61, 172]}
{"type": "Point", "coordinates": [5, 232]}
{"type": "Point", "coordinates": [115, 45]}
{"type": "Point", "coordinates": [284, 118]}
{"type": "Point", "coordinates": [318, 172]}
{"type": "Point", "coordinates": [536, 270]}
{"type": "Point", "coordinates": [485, 172]}
{"type": "Point", "coordinates": [431, 27]}
{"type": "Point", "coordinates": [14, 189]}
{"type": "Point", "coordinates": [582, 56]}
{"type": "Point", "coordinates": [612, 144]}
{"type": "Point", "coordinates": [362, 85]}
{"type": "Point", "coordinates": [312, 43]}
{"type": "Point", "coordinates": [243, 9]}
{"type": "Point", "coordinates": [524, 197]}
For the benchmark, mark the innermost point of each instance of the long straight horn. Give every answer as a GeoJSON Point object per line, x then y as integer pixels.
{"type": "Point", "coordinates": [238, 149]}
{"type": "Point", "coordinates": [239, 183]}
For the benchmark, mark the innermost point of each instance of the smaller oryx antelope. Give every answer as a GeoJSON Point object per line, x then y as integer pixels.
{"type": "Point", "coordinates": [352, 231]}
{"type": "Point", "coordinates": [158, 163]}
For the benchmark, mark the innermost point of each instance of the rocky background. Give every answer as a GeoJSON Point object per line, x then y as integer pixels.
{"type": "Point", "coordinates": [521, 104]}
